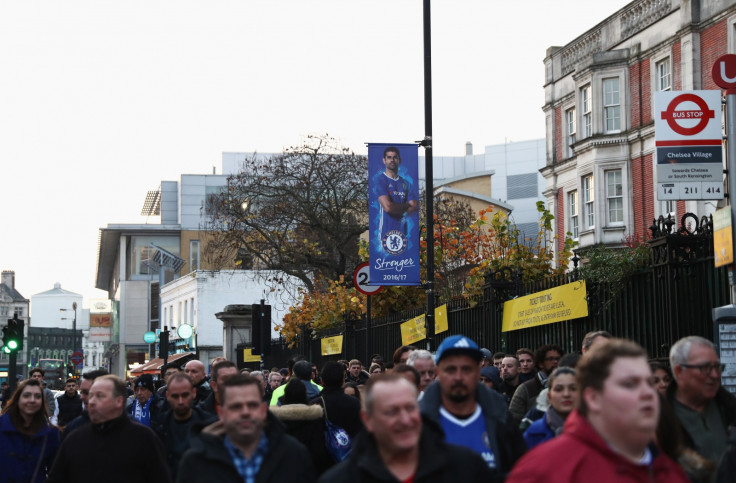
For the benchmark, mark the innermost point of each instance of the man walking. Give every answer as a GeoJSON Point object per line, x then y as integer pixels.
{"type": "Point", "coordinates": [247, 444]}
{"type": "Point", "coordinates": [69, 404]}
{"type": "Point", "coordinates": [469, 413]}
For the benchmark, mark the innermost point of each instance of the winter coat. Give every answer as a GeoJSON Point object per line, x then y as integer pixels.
{"type": "Point", "coordinates": [20, 453]}
{"type": "Point", "coordinates": [525, 398]}
{"type": "Point", "coordinates": [538, 433]}
{"type": "Point", "coordinates": [341, 409]}
{"type": "Point", "coordinates": [504, 438]}
{"type": "Point", "coordinates": [439, 462]}
{"type": "Point", "coordinates": [208, 460]}
{"type": "Point", "coordinates": [175, 449]}
{"type": "Point", "coordinates": [306, 424]}
{"type": "Point", "coordinates": [69, 408]}
{"type": "Point", "coordinates": [581, 454]}
{"type": "Point", "coordinates": [156, 408]}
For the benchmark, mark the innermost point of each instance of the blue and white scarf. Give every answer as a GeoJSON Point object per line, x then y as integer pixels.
{"type": "Point", "coordinates": [142, 414]}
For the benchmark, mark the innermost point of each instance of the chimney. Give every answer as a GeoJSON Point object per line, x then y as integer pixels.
{"type": "Point", "coordinates": [9, 278]}
{"type": "Point", "coordinates": [468, 148]}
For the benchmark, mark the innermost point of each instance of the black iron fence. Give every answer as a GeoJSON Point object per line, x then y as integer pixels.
{"type": "Point", "coordinates": [671, 298]}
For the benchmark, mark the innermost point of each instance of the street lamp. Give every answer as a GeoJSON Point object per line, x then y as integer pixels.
{"type": "Point", "coordinates": [74, 330]}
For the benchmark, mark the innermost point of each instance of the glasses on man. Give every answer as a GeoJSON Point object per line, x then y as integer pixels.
{"type": "Point", "coordinates": [706, 368]}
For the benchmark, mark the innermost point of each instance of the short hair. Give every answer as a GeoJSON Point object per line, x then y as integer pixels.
{"type": "Point", "coordinates": [354, 361]}
{"type": "Point", "coordinates": [560, 371]}
{"type": "Point", "coordinates": [181, 376]}
{"type": "Point", "coordinates": [71, 379]}
{"type": "Point", "coordinates": [398, 352]}
{"type": "Point", "coordinates": [35, 370]}
{"type": "Point", "coordinates": [591, 336]}
{"type": "Point", "coordinates": [333, 374]}
{"type": "Point", "coordinates": [541, 353]}
{"type": "Point", "coordinates": [94, 374]}
{"type": "Point", "coordinates": [368, 399]}
{"type": "Point", "coordinates": [595, 366]}
{"type": "Point", "coordinates": [524, 350]}
{"type": "Point", "coordinates": [302, 369]}
{"type": "Point", "coordinates": [511, 356]}
{"type": "Point", "coordinates": [295, 392]}
{"type": "Point", "coordinates": [392, 149]}
{"type": "Point", "coordinates": [569, 360]}
{"type": "Point", "coordinates": [680, 351]}
{"type": "Point", "coordinates": [118, 385]}
{"type": "Point", "coordinates": [238, 380]}
{"type": "Point", "coordinates": [402, 368]}
{"type": "Point", "coordinates": [499, 355]}
{"type": "Point", "coordinates": [223, 364]}
{"type": "Point", "coordinates": [419, 354]}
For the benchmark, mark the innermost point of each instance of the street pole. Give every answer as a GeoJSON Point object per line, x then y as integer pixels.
{"type": "Point", "coordinates": [731, 157]}
{"type": "Point", "coordinates": [74, 337]}
{"type": "Point", "coordinates": [427, 143]}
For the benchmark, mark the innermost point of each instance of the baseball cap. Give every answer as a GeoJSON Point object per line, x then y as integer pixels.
{"type": "Point", "coordinates": [458, 344]}
{"type": "Point", "coordinates": [486, 354]}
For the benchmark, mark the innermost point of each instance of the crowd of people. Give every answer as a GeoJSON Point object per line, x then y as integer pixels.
{"type": "Point", "coordinates": [464, 413]}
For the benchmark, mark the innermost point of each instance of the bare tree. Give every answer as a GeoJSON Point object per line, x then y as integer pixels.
{"type": "Point", "coordinates": [300, 212]}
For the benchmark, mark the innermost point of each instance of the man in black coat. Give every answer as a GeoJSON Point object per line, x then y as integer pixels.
{"type": "Point", "coordinates": [69, 404]}
{"type": "Point", "coordinates": [342, 410]}
{"type": "Point", "coordinates": [398, 445]}
{"type": "Point", "coordinates": [247, 441]}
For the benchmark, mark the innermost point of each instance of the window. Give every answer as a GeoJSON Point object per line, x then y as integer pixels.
{"type": "Point", "coordinates": [572, 203]}
{"type": "Point", "coordinates": [611, 105]}
{"type": "Point", "coordinates": [193, 255]}
{"type": "Point", "coordinates": [664, 75]}
{"type": "Point", "coordinates": [588, 199]}
{"type": "Point", "coordinates": [587, 105]}
{"type": "Point", "coordinates": [614, 196]}
{"type": "Point", "coordinates": [570, 121]}
{"type": "Point", "coordinates": [19, 311]}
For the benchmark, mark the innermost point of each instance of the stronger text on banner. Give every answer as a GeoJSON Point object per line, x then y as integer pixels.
{"type": "Point", "coordinates": [393, 208]}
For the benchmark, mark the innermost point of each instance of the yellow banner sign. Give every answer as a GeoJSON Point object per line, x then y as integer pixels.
{"type": "Point", "coordinates": [248, 356]}
{"type": "Point", "coordinates": [547, 307]}
{"type": "Point", "coordinates": [722, 237]}
{"type": "Point", "coordinates": [332, 345]}
{"type": "Point", "coordinates": [440, 319]}
{"type": "Point", "coordinates": [413, 330]}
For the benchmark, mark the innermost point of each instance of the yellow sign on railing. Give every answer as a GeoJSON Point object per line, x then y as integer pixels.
{"type": "Point", "coordinates": [413, 330]}
{"type": "Point", "coordinates": [331, 345]}
{"type": "Point", "coordinates": [722, 237]}
{"type": "Point", "coordinates": [547, 307]}
{"type": "Point", "coordinates": [248, 356]}
{"type": "Point", "coordinates": [440, 319]}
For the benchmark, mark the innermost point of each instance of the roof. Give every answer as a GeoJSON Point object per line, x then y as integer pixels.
{"type": "Point", "coordinates": [154, 365]}
{"type": "Point", "coordinates": [14, 295]}
{"type": "Point", "coordinates": [470, 194]}
{"type": "Point", "coordinates": [477, 174]}
{"type": "Point", "coordinates": [57, 290]}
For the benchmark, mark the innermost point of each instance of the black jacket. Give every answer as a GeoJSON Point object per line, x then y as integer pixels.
{"type": "Point", "coordinates": [439, 462]}
{"type": "Point", "coordinates": [208, 405]}
{"type": "Point", "coordinates": [208, 460]}
{"type": "Point", "coordinates": [69, 408]}
{"type": "Point", "coordinates": [505, 439]}
{"type": "Point", "coordinates": [156, 408]}
{"type": "Point", "coordinates": [174, 447]}
{"type": "Point", "coordinates": [342, 410]}
{"type": "Point", "coordinates": [306, 424]}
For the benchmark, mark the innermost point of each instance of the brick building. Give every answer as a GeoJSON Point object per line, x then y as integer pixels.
{"type": "Point", "coordinates": [599, 107]}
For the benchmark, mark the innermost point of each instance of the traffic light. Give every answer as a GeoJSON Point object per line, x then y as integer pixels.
{"type": "Point", "coordinates": [13, 336]}
{"type": "Point", "coordinates": [163, 343]}
{"type": "Point", "coordinates": [261, 329]}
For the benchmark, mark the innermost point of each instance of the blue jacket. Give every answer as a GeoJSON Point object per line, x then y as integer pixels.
{"type": "Point", "coordinates": [538, 432]}
{"type": "Point", "coordinates": [20, 453]}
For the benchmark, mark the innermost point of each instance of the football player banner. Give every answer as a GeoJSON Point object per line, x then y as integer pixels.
{"type": "Point", "coordinates": [393, 210]}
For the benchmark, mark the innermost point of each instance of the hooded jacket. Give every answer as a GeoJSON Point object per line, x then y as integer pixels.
{"type": "Point", "coordinates": [581, 454]}
{"type": "Point", "coordinates": [504, 438]}
{"type": "Point", "coordinates": [439, 462]}
{"type": "Point", "coordinates": [208, 460]}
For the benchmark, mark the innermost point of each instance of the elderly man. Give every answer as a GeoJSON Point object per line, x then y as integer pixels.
{"type": "Point", "coordinates": [397, 447]}
{"type": "Point", "coordinates": [703, 408]}
{"type": "Point", "coordinates": [610, 436]}
{"type": "Point", "coordinates": [195, 370]}
{"type": "Point", "coordinates": [247, 444]}
{"type": "Point", "coordinates": [469, 413]}
{"type": "Point", "coordinates": [274, 381]}
{"type": "Point", "coordinates": [423, 362]}
{"type": "Point", "coordinates": [112, 448]}
{"type": "Point", "coordinates": [147, 404]}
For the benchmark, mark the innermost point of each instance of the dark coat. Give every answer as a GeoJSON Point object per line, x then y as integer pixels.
{"type": "Point", "coordinates": [69, 408]}
{"type": "Point", "coordinates": [439, 462]}
{"type": "Point", "coordinates": [342, 410]}
{"type": "Point", "coordinates": [20, 453]}
{"type": "Point", "coordinates": [208, 405]}
{"type": "Point", "coordinates": [504, 437]}
{"type": "Point", "coordinates": [306, 424]}
{"type": "Point", "coordinates": [116, 451]}
{"type": "Point", "coordinates": [156, 408]}
{"type": "Point", "coordinates": [208, 460]}
{"type": "Point", "coordinates": [162, 427]}
{"type": "Point", "coordinates": [525, 398]}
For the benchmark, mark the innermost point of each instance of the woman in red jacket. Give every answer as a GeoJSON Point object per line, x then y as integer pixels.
{"type": "Point", "coordinates": [609, 438]}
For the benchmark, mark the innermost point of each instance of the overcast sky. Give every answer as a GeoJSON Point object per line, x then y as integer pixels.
{"type": "Point", "coordinates": [101, 100]}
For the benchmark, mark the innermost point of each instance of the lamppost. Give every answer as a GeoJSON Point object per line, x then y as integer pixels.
{"type": "Point", "coordinates": [74, 332]}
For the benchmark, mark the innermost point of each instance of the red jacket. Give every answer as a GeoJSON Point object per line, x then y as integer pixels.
{"type": "Point", "coordinates": [580, 454]}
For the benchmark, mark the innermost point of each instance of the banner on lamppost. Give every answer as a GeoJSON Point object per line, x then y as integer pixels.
{"type": "Point", "coordinates": [393, 210]}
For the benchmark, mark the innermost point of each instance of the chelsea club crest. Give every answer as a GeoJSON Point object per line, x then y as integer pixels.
{"type": "Point", "coordinates": [394, 242]}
